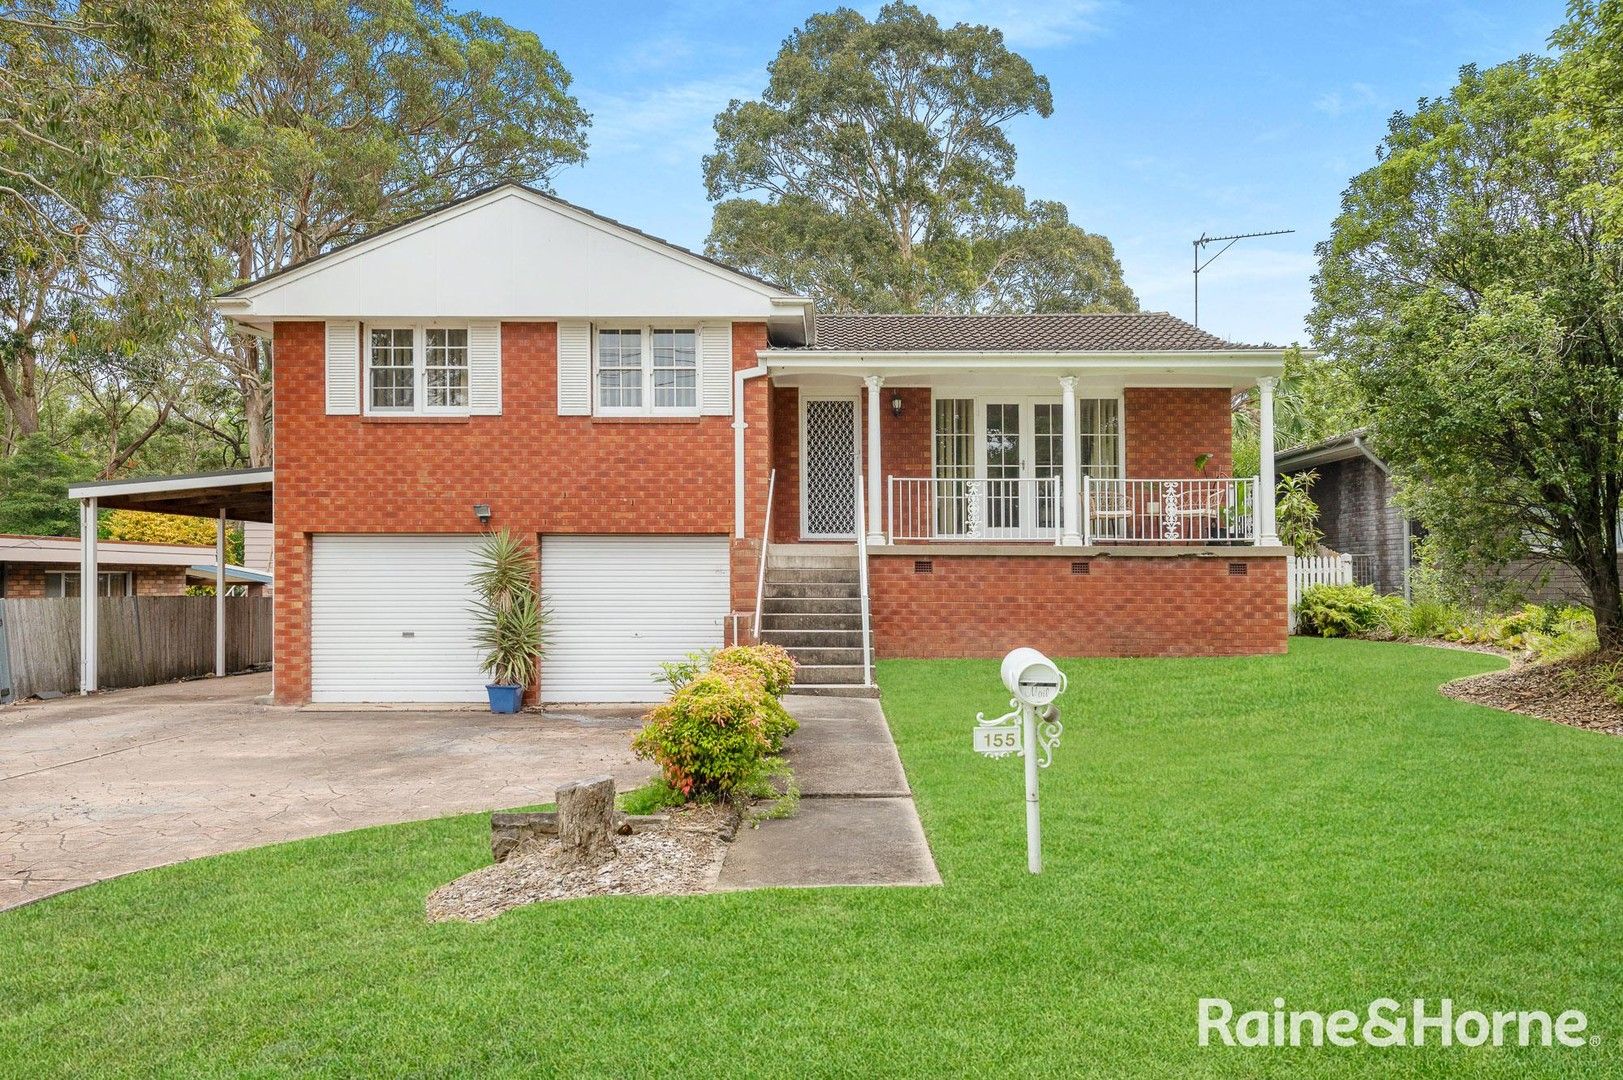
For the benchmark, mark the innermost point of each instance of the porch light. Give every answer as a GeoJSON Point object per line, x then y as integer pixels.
{"type": "Point", "coordinates": [482, 512]}
{"type": "Point", "coordinates": [895, 403]}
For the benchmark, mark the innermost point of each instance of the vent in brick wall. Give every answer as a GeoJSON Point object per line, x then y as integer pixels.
{"type": "Point", "coordinates": [1239, 569]}
{"type": "Point", "coordinates": [923, 566]}
{"type": "Point", "coordinates": [1081, 566]}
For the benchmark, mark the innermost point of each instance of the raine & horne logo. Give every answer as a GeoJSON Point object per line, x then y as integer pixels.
{"type": "Point", "coordinates": [1387, 1022]}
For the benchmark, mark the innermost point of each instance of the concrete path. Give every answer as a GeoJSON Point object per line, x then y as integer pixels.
{"type": "Point", "coordinates": [91, 788]}
{"type": "Point", "coordinates": [856, 824]}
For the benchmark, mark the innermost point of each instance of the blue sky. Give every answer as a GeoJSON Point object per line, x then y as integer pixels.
{"type": "Point", "coordinates": [1169, 119]}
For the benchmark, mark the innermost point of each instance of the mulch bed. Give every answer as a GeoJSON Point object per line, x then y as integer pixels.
{"type": "Point", "coordinates": [680, 856]}
{"type": "Point", "coordinates": [1566, 692]}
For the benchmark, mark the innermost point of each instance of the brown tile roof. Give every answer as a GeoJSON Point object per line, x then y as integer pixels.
{"type": "Point", "coordinates": [1138, 331]}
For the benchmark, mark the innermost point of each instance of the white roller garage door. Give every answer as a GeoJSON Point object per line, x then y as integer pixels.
{"type": "Point", "coordinates": [622, 604]}
{"type": "Point", "coordinates": [389, 619]}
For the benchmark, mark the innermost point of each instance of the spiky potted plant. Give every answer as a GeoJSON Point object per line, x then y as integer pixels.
{"type": "Point", "coordinates": [510, 618]}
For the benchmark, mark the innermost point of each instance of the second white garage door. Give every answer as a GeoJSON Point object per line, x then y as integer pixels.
{"type": "Point", "coordinates": [622, 604]}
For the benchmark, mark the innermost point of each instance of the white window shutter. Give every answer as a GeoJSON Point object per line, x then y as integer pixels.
{"type": "Point", "coordinates": [485, 368]}
{"type": "Point", "coordinates": [343, 368]}
{"type": "Point", "coordinates": [716, 369]}
{"type": "Point", "coordinates": [574, 368]}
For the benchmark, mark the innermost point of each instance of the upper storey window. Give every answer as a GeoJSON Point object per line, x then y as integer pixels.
{"type": "Point", "coordinates": [413, 369]}
{"type": "Point", "coordinates": [647, 370]}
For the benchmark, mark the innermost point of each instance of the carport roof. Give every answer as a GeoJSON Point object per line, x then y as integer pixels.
{"type": "Point", "coordinates": [243, 494]}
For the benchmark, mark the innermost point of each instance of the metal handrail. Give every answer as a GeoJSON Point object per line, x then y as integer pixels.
{"type": "Point", "coordinates": [862, 587]}
{"type": "Point", "coordinates": [766, 534]}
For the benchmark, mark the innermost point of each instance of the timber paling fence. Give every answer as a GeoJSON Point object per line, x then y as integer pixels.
{"type": "Point", "coordinates": [145, 640]}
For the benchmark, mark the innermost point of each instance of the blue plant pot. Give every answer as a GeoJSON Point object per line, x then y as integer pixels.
{"type": "Point", "coordinates": [505, 699]}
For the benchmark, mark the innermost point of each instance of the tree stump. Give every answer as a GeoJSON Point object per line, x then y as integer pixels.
{"type": "Point", "coordinates": [586, 818]}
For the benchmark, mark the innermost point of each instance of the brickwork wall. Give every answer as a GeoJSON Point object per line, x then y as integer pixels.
{"type": "Point", "coordinates": [538, 471]}
{"type": "Point", "coordinates": [1357, 516]}
{"type": "Point", "coordinates": [27, 580]}
{"type": "Point", "coordinates": [982, 606]}
{"type": "Point", "coordinates": [1168, 427]}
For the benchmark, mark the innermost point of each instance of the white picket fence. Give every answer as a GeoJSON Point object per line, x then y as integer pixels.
{"type": "Point", "coordinates": [1315, 570]}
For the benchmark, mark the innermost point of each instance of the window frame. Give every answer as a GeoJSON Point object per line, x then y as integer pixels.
{"type": "Point", "coordinates": [419, 367]}
{"type": "Point", "coordinates": [62, 577]}
{"type": "Point", "coordinates": [645, 332]}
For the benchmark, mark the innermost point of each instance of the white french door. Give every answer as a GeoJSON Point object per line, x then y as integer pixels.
{"type": "Point", "coordinates": [1004, 461]}
{"type": "Point", "coordinates": [828, 468]}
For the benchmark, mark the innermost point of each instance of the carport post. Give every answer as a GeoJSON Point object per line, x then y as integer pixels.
{"type": "Point", "coordinates": [219, 596]}
{"type": "Point", "coordinates": [89, 590]}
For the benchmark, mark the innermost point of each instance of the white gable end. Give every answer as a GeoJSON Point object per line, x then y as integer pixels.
{"type": "Point", "coordinates": [509, 254]}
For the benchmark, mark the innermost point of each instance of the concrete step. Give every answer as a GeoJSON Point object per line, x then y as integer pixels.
{"type": "Point", "coordinates": [810, 562]}
{"type": "Point", "coordinates": [775, 621]}
{"type": "Point", "coordinates": [844, 690]}
{"type": "Point", "coordinates": [827, 675]}
{"type": "Point", "coordinates": [812, 605]}
{"type": "Point", "coordinates": [813, 639]}
{"type": "Point", "coordinates": [812, 657]}
{"type": "Point", "coordinates": [822, 590]}
{"type": "Point", "coordinates": [804, 574]}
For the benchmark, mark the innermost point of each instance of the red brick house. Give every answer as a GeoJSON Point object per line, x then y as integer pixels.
{"type": "Point", "coordinates": [702, 456]}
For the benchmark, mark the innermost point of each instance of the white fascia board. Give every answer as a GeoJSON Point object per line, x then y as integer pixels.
{"type": "Point", "coordinates": [1246, 366]}
{"type": "Point", "coordinates": [101, 488]}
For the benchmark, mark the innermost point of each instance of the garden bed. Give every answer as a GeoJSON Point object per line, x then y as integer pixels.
{"type": "Point", "coordinates": [680, 855]}
{"type": "Point", "coordinates": [1571, 692]}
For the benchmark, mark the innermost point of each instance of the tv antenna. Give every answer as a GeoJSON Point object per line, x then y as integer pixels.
{"type": "Point", "coordinates": [1230, 242]}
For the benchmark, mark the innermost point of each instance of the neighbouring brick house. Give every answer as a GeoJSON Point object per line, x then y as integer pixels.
{"type": "Point", "coordinates": [33, 567]}
{"type": "Point", "coordinates": [1357, 512]}
{"type": "Point", "coordinates": [515, 361]}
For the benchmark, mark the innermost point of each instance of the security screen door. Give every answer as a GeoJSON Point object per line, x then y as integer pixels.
{"type": "Point", "coordinates": [828, 492]}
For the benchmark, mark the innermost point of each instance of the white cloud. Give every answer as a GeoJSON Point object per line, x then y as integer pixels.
{"type": "Point", "coordinates": [1027, 25]}
{"type": "Point", "coordinates": [671, 122]}
{"type": "Point", "coordinates": [1352, 98]}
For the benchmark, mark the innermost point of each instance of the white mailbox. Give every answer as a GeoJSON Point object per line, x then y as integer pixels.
{"type": "Point", "coordinates": [1032, 678]}
{"type": "Point", "coordinates": [1032, 731]}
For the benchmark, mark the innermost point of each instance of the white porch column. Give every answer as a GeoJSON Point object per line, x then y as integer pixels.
{"type": "Point", "coordinates": [875, 483]}
{"type": "Point", "coordinates": [89, 591]}
{"type": "Point", "coordinates": [1070, 494]}
{"type": "Point", "coordinates": [1265, 439]}
{"type": "Point", "coordinates": [219, 595]}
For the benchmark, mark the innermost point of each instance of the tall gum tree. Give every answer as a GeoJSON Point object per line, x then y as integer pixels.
{"type": "Point", "coordinates": [360, 114]}
{"type": "Point", "coordinates": [110, 112]}
{"type": "Point", "coordinates": [875, 173]}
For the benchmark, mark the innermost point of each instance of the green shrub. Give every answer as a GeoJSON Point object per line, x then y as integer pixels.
{"type": "Point", "coordinates": [710, 738]}
{"type": "Point", "coordinates": [772, 663]}
{"type": "Point", "coordinates": [678, 673]}
{"type": "Point", "coordinates": [1339, 610]}
{"type": "Point", "coordinates": [1432, 618]}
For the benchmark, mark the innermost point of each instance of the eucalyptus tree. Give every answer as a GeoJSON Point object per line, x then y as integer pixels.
{"type": "Point", "coordinates": [875, 172]}
{"type": "Point", "coordinates": [360, 113]}
{"type": "Point", "coordinates": [108, 113]}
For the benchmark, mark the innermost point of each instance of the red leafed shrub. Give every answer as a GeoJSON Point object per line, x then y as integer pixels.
{"type": "Point", "coordinates": [710, 738]}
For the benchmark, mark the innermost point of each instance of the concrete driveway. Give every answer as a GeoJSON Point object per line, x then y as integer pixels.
{"type": "Point", "coordinates": [91, 788]}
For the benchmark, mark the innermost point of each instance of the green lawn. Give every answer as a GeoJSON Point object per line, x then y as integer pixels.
{"type": "Point", "coordinates": [1321, 826]}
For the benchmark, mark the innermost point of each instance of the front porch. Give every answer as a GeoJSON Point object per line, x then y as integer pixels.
{"type": "Point", "coordinates": [1032, 459]}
